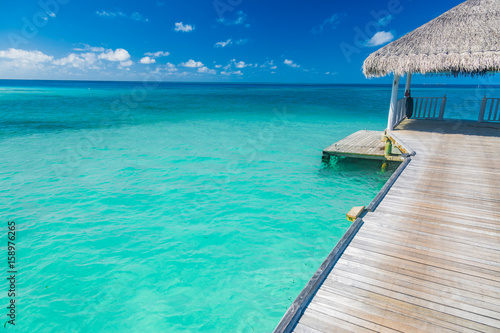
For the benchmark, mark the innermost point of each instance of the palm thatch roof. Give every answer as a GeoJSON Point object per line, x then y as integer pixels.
{"type": "Point", "coordinates": [464, 40]}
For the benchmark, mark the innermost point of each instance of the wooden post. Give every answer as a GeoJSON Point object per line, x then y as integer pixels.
{"type": "Point", "coordinates": [481, 112]}
{"type": "Point", "coordinates": [441, 110]}
{"type": "Point", "coordinates": [394, 99]}
{"type": "Point", "coordinates": [408, 82]}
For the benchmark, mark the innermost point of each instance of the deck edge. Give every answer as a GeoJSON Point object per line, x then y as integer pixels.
{"type": "Point", "coordinates": [294, 312]}
{"type": "Point", "coordinates": [401, 145]}
{"type": "Point", "coordinates": [385, 189]}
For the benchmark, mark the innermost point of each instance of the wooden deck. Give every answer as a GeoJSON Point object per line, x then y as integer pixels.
{"type": "Point", "coordinates": [362, 144]}
{"type": "Point", "coordinates": [427, 258]}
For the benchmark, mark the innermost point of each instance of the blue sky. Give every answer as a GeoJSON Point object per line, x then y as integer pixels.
{"type": "Point", "coordinates": [194, 40]}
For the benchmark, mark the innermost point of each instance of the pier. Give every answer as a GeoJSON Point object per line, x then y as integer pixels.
{"type": "Point", "coordinates": [363, 144]}
{"type": "Point", "coordinates": [425, 257]}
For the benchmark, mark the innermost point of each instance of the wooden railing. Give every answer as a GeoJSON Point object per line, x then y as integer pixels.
{"type": "Point", "coordinates": [400, 111]}
{"type": "Point", "coordinates": [423, 108]}
{"type": "Point", "coordinates": [427, 107]}
{"type": "Point", "coordinates": [489, 110]}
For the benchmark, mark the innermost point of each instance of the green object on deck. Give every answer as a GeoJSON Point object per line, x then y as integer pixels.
{"type": "Point", "coordinates": [388, 147]}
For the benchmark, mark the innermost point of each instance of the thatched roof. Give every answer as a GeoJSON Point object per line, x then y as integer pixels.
{"type": "Point", "coordinates": [464, 40]}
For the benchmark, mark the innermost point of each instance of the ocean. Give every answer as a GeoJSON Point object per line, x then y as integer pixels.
{"type": "Point", "coordinates": [173, 207]}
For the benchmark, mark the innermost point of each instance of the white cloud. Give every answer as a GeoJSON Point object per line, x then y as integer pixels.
{"type": "Point", "coordinates": [121, 55]}
{"type": "Point", "coordinates": [105, 13]}
{"type": "Point", "coordinates": [333, 21]}
{"type": "Point", "coordinates": [81, 60]}
{"type": "Point", "coordinates": [242, 41]}
{"type": "Point", "coordinates": [184, 28]}
{"type": "Point", "coordinates": [147, 60]}
{"type": "Point", "coordinates": [240, 19]}
{"type": "Point", "coordinates": [87, 47]}
{"type": "Point", "coordinates": [192, 64]}
{"type": "Point", "coordinates": [218, 66]}
{"type": "Point", "coordinates": [134, 16]}
{"type": "Point", "coordinates": [223, 44]}
{"type": "Point", "coordinates": [88, 59]}
{"type": "Point", "coordinates": [207, 70]}
{"type": "Point", "coordinates": [270, 64]}
{"type": "Point", "coordinates": [170, 67]}
{"type": "Point", "coordinates": [19, 55]}
{"type": "Point", "coordinates": [381, 37]}
{"type": "Point", "coordinates": [240, 64]}
{"type": "Point", "coordinates": [157, 54]}
{"type": "Point", "coordinates": [226, 72]}
{"type": "Point", "coordinates": [291, 63]}
{"type": "Point", "coordinates": [126, 63]}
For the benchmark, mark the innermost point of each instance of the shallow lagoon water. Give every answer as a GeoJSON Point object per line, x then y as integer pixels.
{"type": "Point", "coordinates": [183, 208]}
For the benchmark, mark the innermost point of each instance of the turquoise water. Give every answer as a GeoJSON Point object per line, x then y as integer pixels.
{"type": "Point", "coordinates": [176, 208]}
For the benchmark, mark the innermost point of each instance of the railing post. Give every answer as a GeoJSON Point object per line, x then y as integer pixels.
{"type": "Point", "coordinates": [394, 99]}
{"type": "Point", "coordinates": [481, 112]}
{"type": "Point", "coordinates": [441, 110]}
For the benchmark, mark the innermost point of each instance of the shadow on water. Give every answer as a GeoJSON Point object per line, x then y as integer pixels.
{"type": "Point", "coordinates": [349, 180]}
{"type": "Point", "coordinates": [357, 167]}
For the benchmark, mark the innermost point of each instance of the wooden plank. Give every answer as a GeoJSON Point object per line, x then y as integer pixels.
{"type": "Point", "coordinates": [430, 272]}
{"type": "Point", "coordinates": [417, 302]}
{"type": "Point", "coordinates": [362, 144]}
{"type": "Point", "coordinates": [414, 286]}
{"type": "Point", "coordinates": [387, 303]}
{"type": "Point", "coordinates": [301, 328]}
{"type": "Point", "coordinates": [434, 243]}
{"type": "Point", "coordinates": [376, 314]}
{"type": "Point", "coordinates": [422, 279]}
{"type": "Point", "coordinates": [324, 323]}
{"type": "Point", "coordinates": [421, 256]}
{"type": "Point", "coordinates": [350, 317]}
{"type": "Point", "coordinates": [470, 224]}
{"type": "Point", "coordinates": [447, 231]}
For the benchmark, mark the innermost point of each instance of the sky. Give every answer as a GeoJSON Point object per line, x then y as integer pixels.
{"type": "Point", "coordinates": [273, 41]}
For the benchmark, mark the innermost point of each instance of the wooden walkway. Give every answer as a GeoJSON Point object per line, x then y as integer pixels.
{"type": "Point", "coordinates": [362, 144]}
{"type": "Point", "coordinates": [427, 258]}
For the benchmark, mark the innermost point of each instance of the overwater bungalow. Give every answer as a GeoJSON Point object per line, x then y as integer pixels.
{"type": "Point", "coordinates": [424, 255]}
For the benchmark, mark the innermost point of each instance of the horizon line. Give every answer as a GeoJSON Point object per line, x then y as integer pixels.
{"type": "Point", "coordinates": [247, 82]}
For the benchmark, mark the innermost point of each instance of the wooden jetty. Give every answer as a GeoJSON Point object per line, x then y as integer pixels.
{"type": "Point", "coordinates": [362, 144]}
{"type": "Point", "coordinates": [426, 256]}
